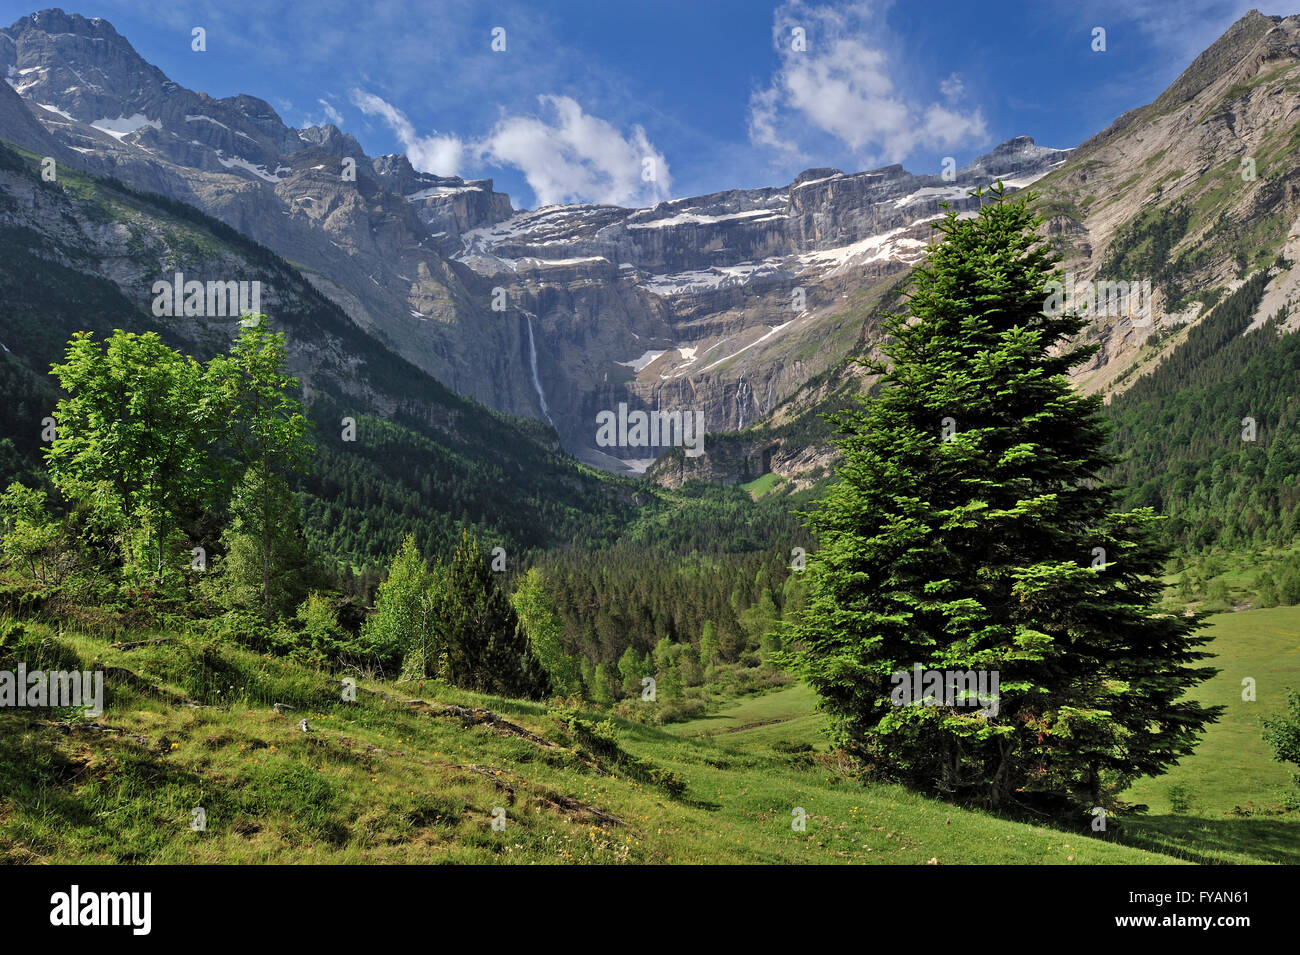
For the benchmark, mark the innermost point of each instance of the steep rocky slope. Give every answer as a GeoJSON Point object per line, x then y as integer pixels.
{"type": "Point", "coordinates": [83, 253]}
{"type": "Point", "coordinates": [1189, 196]}
{"type": "Point", "coordinates": [1193, 193]}
{"type": "Point", "coordinates": [722, 304]}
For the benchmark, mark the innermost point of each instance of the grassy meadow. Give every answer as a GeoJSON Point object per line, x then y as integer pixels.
{"type": "Point", "coordinates": [413, 773]}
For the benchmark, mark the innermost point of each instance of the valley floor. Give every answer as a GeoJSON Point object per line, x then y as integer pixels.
{"type": "Point", "coordinates": [416, 775]}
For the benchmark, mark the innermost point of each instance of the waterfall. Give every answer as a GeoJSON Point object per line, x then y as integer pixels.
{"type": "Point", "coordinates": [537, 382]}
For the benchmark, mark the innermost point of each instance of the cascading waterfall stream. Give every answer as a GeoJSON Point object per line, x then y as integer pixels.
{"type": "Point", "coordinates": [537, 382]}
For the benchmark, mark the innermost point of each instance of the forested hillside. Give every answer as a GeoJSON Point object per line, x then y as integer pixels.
{"type": "Point", "coordinates": [1185, 445]}
{"type": "Point", "coordinates": [423, 461]}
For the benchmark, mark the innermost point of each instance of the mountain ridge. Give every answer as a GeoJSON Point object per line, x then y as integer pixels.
{"type": "Point", "coordinates": [416, 259]}
{"type": "Point", "coordinates": [734, 304]}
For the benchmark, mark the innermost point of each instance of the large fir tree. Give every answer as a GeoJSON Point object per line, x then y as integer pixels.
{"type": "Point", "coordinates": [968, 530]}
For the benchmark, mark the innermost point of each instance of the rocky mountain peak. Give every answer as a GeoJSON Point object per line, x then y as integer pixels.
{"type": "Point", "coordinates": [1224, 54]}
{"type": "Point", "coordinates": [1013, 159]}
{"type": "Point", "coordinates": [95, 69]}
{"type": "Point", "coordinates": [55, 21]}
{"type": "Point", "coordinates": [330, 139]}
{"type": "Point", "coordinates": [824, 172]}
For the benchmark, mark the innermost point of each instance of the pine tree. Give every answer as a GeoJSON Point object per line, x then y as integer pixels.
{"type": "Point", "coordinates": [481, 643]}
{"type": "Point", "coordinates": [688, 665]}
{"type": "Point", "coordinates": [708, 644]}
{"type": "Point", "coordinates": [545, 632]}
{"type": "Point", "coordinates": [601, 688]}
{"type": "Point", "coordinates": [268, 566]}
{"type": "Point", "coordinates": [631, 672]}
{"type": "Point", "coordinates": [968, 531]}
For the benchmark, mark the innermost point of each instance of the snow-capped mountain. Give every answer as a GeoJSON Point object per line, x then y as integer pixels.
{"type": "Point", "coordinates": [729, 299]}
{"type": "Point", "coordinates": [721, 304]}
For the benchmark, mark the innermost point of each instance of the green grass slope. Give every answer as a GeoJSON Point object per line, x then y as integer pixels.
{"type": "Point", "coordinates": [1233, 767]}
{"type": "Point", "coordinates": [413, 774]}
{"type": "Point", "coordinates": [1228, 796]}
{"type": "Point", "coordinates": [1232, 787]}
{"type": "Point", "coordinates": [784, 719]}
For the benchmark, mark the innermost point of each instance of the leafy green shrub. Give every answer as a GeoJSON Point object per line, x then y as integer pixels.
{"type": "Point", "coordinates": [1283, 734]}
{"type": "Point", "coordinates": [670, 782]}
{"type": "Point", "coordinates": [23, 600]}
{"type": "Point", "coordinates": [786, 746]}
{"type": "Point", "coordinates": [679, 711]}
{"type": "Point", "coordinates": [243, 628]}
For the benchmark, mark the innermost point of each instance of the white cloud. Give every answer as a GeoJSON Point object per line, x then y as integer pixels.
{"type": "Point", "coordinates": [842, 85]}
{"type": "Point", "coordinates": [953, 87]}
{"type": "Point", "coordinates": [763, 123]}
{"type": "Point", "coordinates": [564, 153]}
{"type": "Point", "coordinates": [440, 155]}
{"type": "Point", "coordinates": [567, 155]}
{"type": "Point", "coordinates": [331, 114]}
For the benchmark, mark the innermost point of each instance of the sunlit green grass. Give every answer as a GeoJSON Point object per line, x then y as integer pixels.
{"type": "Point", "coordinates": [782, 716]}
{"type": "Point", "coordinates": [762, 485]}
{"type": "Point", "coordinates": [380, 781]}
{"type": "Point", "coordinates": [1233, 766]}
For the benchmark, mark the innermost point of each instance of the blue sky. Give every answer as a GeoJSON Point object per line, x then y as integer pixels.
{"type": "Point", "coordinates": [633, 102]}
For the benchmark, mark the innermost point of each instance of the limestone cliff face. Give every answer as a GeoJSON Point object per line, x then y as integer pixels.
{"type": "Point", "coordinates": [722, 304]}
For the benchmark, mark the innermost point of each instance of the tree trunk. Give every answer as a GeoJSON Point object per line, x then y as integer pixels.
{"type": "Point", "coordinates": [998, 791]}
{"type": "Point", "coordinates": [266, 546]}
